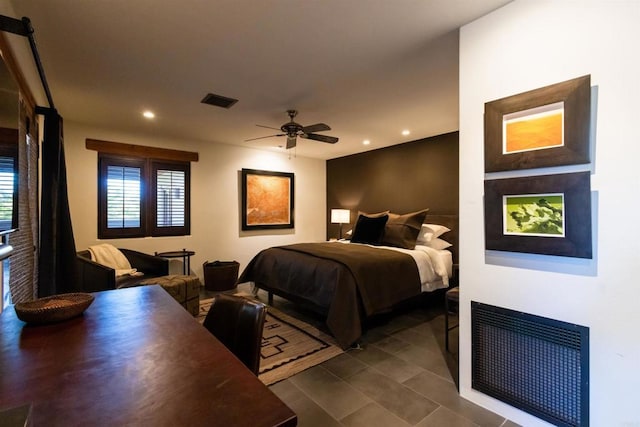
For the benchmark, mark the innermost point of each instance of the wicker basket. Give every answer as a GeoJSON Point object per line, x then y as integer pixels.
{"type": "Point", "coordinates": [220, 275]}
{"type": "Point", "coordinates": [52, 309]}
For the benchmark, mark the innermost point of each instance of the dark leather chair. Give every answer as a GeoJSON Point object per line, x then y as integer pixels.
{"type": "Point", "coordinates": [238, 323]}
{"type": "Point", "coordinates": [95, 277]}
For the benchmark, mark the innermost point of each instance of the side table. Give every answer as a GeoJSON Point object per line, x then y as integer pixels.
{"type": "Point", "coordinates": [184, 254]}
{"type": "Point", "coordinates": [451, 296]}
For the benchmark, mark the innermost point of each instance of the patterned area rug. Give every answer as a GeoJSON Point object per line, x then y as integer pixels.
{"type": "Point", "coordinates": [289, 345]}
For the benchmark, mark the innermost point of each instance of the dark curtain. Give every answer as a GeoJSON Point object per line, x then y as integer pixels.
{"type": "Point", "coordinates": [57, 261]}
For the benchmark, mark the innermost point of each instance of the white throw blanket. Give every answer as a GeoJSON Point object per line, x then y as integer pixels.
{"type": "Point", "coordinates": [110, 256]}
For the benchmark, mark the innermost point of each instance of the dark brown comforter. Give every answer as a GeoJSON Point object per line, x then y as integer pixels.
{"type": "Point", "coordinates": [347, 281]}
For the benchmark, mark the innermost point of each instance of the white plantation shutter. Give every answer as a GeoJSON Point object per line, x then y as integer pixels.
{"type": "Point", "coordinates": [123, 196]}
{"type": "Point", "coordinates": [140, 197]}
{"type": "Point", "coordinates": [170, 198]}
{"type": "Point", "coordinates": [170, 202]}
{"type": "Point", "coordinates": [7, 180]}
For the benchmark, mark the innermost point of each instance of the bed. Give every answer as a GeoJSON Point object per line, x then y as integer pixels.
{"type": "Point", "coordinates": [350, 281]}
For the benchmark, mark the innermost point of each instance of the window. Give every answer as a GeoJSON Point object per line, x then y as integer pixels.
{"type": "Point", "coordinates": [8, 203]}
{"type": "Point", "coordinates": [142, 197]}
{"type": "Point", "coordinates": [8, 179]}
{"type": "Point", "coordinates": [170, 204]}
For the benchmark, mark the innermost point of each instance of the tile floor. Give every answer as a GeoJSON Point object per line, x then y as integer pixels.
{"type": "Point", "coordinates": [401, 376]}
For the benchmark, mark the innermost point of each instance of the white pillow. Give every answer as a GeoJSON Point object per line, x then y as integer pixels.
{"type": "Point", "coordinates": [437, 243]}
{"type": "Point", "coordinates": [430, 231]}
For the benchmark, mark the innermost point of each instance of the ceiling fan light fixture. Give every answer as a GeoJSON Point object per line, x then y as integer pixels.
{"type": "Point", "coordinates": [293, 130]}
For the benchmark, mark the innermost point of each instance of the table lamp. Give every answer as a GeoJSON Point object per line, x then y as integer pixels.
{"type": "Point", "coordinates": [340, 216]}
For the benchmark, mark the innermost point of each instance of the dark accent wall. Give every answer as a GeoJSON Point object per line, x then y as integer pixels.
{"type": "Point", "coordinates": [401, 178]}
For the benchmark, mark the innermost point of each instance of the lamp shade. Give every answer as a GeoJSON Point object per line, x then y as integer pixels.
{"type": "Point", "coordinates": [340, 216]}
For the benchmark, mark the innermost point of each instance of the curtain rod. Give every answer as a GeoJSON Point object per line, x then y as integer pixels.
{"type": "Point", "coordinates": [23, 28]}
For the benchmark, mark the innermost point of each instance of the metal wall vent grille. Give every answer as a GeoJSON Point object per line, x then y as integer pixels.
{"type": "Point", "coordinates": [533, 363]}
{"type": "Point", "coordinates": [218, 100]}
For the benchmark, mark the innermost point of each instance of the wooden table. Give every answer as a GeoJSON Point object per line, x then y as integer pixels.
{"type": "Point", "coordinates": [135, 357]}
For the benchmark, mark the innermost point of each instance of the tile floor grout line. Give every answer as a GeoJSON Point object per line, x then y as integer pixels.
{"type": "Point", "coordinates": [382, 408]}
{"type": "Point", "coordinates": [339, 379]}
{"type": "Point", "coordinates": [300, 390]}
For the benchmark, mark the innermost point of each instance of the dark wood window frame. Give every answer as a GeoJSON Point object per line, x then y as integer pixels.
{"type": "Point", "coordinates": [104, 232]}
{"type": "Point", "coordinates": [149, 160]}
{"type": "Point", "coordinates": [155, 229]}
{"type": "Point", "coordinates": [9, 164]}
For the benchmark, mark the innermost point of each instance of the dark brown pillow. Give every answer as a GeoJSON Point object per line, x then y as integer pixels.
{"type": "Point", "coordinates": [402, 231]}
{"type": "Point", "coordinates": [369, 230]}
{"type": "Point", "coordinates": [373, 215]}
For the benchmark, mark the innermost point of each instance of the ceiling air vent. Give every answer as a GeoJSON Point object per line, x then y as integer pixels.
{"type": "Point", "coordinates": [218, 100]}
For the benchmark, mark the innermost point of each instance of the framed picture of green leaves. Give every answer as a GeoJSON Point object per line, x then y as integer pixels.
{"type": "Point", "coordinates": [545, 214]}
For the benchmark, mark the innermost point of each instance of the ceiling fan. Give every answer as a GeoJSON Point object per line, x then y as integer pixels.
{"type": "Point", "coordinates": [293, 130]}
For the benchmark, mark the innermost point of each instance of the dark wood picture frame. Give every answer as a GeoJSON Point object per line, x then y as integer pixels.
{"type": "Point", "coordinates": [575, 95]}
{"type": "Point", "coordinates": [576, 188]}
{"type": "Point", "coordinates": [267, 200]}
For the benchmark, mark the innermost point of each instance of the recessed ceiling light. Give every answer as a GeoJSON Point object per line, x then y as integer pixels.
{"type": "Point", "coordinates": [366, 142]}
{"type": "Point", "coordinates": [148, 114]}
{"type": "Point", "coordinates": [406, 132]}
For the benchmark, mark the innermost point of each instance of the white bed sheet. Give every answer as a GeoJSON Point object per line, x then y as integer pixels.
{"type": "Point", "coordinates": [435, 266]}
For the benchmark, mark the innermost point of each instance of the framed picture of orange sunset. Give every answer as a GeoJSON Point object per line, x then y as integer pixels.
{"type": "Point", "coordinates": [267, 200]}
{"type": "Point", "coordinates": [545, 127]}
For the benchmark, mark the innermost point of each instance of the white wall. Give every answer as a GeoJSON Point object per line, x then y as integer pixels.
{"type": "Point", "coordinates": [525, 45]}
{"type": "Point", "coordinates": [215, 198]}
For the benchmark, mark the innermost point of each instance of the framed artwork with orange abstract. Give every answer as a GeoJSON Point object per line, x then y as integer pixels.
{"type": "Point", "coordinates": [267, 199]}
{"type": "Point", "coordinates": [549, 126]}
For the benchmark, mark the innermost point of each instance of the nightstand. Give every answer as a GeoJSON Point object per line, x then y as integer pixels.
{"type": "Point", "coordinates": [451, 297]}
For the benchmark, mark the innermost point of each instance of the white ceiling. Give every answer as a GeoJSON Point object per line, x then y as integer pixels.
{"type": "Point", "coordinates": [367, 68]}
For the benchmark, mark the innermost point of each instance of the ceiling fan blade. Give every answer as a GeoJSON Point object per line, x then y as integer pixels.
{"type": "Point", "coordinates": [321, 138]}
{"type": "Point", "coordinates": [268, 127]}
{"type": "Point", "coordinates": [262, 137]}
{"type": "Point", "coordinates": [291, 142]}
{"type": "Point", "coordinates": [318, 127]}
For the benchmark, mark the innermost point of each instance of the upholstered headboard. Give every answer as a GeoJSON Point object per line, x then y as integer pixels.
{"type": "Point", "coordinates": [451, 222]}
{"type": "Point", "coordinates": [402, 178]}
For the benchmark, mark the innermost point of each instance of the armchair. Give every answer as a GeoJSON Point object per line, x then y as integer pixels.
{"type": "Point", "coordinates": [96, 277]}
